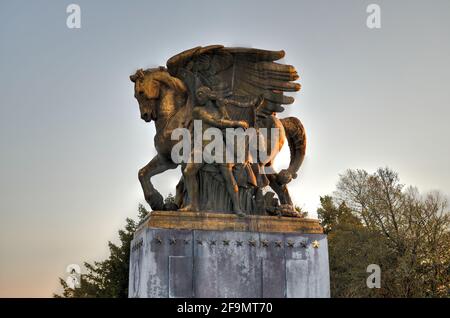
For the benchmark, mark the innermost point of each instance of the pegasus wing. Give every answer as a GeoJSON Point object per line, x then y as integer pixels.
{"type": "Point", "coordinates": [242, 75]}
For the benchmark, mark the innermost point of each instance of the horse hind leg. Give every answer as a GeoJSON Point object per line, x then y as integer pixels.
{"type": "Point", "coordinates": [190, 179]}
{"type": "Point", "coordinates": [180, 191]}
{"type": "Point", "coordinates": [280, 189]}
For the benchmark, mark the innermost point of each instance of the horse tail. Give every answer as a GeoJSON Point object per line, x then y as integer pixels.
{"type": "Point", "coordinates": [296, 136]}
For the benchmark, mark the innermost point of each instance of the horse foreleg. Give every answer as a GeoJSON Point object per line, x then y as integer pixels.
{"type": "Point", "coordinates": [156, 166]}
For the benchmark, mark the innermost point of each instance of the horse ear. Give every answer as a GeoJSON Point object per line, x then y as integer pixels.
{"type": "Point", "coordinates": [139, 74]}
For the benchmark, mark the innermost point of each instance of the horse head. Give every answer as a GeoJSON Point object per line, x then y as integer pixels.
{"type": "Point", "coordinates": [152, 87]}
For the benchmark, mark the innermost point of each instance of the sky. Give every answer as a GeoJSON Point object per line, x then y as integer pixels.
{"type": "Point", "coordinates": [72, 141]}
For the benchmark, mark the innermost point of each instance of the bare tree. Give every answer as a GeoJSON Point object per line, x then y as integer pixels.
{"type": "Point", "coordinates": [416, 227]}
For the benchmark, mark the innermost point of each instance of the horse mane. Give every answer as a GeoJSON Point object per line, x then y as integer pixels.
{"type": "Point", "coordinates": [161, 74]}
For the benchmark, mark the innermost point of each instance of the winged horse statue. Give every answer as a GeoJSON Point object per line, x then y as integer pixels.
{"type": "Point", "coordinates": [248, 87]}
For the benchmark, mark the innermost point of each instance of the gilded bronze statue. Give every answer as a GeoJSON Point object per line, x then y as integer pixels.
{"type": "Point", "coordinates": [224, 88]}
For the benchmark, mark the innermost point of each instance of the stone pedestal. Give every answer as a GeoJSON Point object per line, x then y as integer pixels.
{"type": "Point", "coordinates": [176, 254]}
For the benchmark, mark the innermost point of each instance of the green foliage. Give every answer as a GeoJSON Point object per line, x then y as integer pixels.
{"type": "Point", "coordinates": [332, 216]}
{"type": "Point", "coordinates": [351, 247]}
{"type": "Point", "coordinates": [374, 219]}
{"type": "Point", "coordinates": [303, 213]}
{"type": "Point", "coordinates": [169, 199]}
{"type": "Point", "coordinates": [108, 278]}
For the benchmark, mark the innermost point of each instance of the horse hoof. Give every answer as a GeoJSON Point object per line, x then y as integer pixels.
{"type": "Point", "coordinates": [188, 208]}
{"type": "Point", "coordinates": [156, 201]}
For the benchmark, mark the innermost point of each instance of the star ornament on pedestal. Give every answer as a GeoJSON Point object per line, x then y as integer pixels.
{"type": "Point", "coordinates": [315, 244]}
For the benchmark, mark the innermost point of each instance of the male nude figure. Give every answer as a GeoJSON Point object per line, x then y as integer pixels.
{"type": "Point", "coordinates": [211, 116]}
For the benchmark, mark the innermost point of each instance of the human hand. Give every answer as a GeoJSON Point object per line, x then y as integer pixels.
{"type": "Point", "coordinates": [242, 124]}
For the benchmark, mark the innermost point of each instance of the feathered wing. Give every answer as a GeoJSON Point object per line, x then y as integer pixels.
{"type": "Point", "coordinates": [249, 78]}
